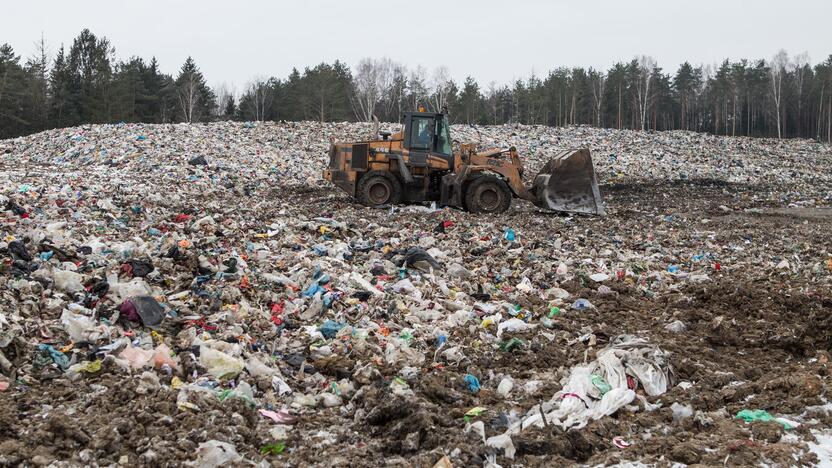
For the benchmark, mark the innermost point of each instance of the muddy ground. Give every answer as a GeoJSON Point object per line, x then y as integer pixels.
{"type": "Point", "coordinates": [757, 337]}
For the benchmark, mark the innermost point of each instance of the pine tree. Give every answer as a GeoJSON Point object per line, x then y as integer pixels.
{"type": "Point", "coordinates": [37, 78]}
{"type": "Point", "coordinates": [12, 93]}
{"type": "Point", "coordinates": [90, 74]}
{"type": "Point", "coordinates": [469, 102]}
{"type": "Point", "coordinates": [230, 108]}
{"type": "Point", "coordinates": [686, 85]}
{"type": "Point", "coordinates": [60, 110]}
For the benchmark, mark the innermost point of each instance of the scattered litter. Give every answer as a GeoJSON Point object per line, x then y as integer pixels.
{"type": "Point", "coordinates": [762, 415]}
{"type": "Point", "coordinates": [620, 442]}
{"type": "Point", "coordinates": [207, 272]}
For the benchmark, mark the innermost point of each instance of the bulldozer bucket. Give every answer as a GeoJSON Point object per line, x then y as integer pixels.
{"type": "Point", "coordinates": [567, 183]}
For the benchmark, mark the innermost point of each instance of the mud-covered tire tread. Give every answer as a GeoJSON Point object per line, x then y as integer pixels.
{"type": "Point", "coordinates": [480, 181]}
{"type": "Point", "coordinates": [362, 192]}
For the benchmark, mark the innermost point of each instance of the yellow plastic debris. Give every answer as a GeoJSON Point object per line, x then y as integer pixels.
{"type": "Point", "coordinates": [90, 367]}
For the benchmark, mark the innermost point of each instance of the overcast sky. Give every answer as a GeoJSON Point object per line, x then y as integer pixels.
{"type": "Point", "coordinates": [492, 40]}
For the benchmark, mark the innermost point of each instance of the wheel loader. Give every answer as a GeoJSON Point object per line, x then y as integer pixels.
{"type": "Point", "coordinates": [417, 164]}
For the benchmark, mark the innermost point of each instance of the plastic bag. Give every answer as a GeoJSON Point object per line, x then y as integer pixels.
{"type": "Point", "coordinates": [219, 364]}
{"type": "Point", "coordinates": [612, 401]}
{"type": "Point", "coordinates": [144, 309]}
{"type": "Point", "coordinates": [473, 383]}
{"type": "Point", "coordinates": [505, 386]}
{"type": "Point", "coordinates": [136, 357]}
{"type": "Point", "coordinates": [513, 325]}
{"type": "Point", "coordinates": [161, 357]}
{"type": "Point", "coordinates": [257, 368]}
{"type": "Point", "coordinates": [213, 454]}
{"type": "Point", "coordinates": [502, 441]}
{"type": "Point", "coordinates": [582, 304]}
{"type": "Point", "coordinates": [66, 280]}
{"type": "Point", "coordinates": [80, 328]}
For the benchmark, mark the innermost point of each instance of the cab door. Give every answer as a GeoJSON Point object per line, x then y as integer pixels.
{"type": "Point", "coordinates": [442, 141]}
{"type": "Point", "coordinates": [420, 138]}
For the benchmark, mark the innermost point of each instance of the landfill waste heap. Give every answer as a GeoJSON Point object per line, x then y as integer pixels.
{"type": "Point", "coordinates": [196, 294]}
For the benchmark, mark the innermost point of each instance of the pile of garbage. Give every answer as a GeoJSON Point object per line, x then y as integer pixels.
{"type": "Point", "coordinates": [196, 293]}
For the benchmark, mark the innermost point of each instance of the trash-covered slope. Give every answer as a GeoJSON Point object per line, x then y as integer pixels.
{"type": "Point", "coordinates": [174, 293]}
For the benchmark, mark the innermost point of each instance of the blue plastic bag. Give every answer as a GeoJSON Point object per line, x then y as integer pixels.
{"type": "Point", "coordinates": [473, 383]}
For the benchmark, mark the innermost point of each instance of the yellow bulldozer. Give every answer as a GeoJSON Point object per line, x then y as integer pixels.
{"type": "Point", "coordinates": [417, 164]}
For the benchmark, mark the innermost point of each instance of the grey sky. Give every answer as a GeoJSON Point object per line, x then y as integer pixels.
{"type": "Point", "coordinates": [495, 40]}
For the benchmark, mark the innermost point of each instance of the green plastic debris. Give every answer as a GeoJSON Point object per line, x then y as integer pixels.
{"type": "Point", "coordinates": [513, 343]}
{"type": "Point", "coordinates": [600, 383]}
{"type": "Point", "coordinates": [406, 336]}
{"type": "Point", "coordinates": [759, 415]}
{"type": "Point", "coordinates": [273, 449]}
{"type": "Point", "coordinates": [223, 395]}
{"type": "Point", "coordinates": [473, 413]}
{"type": "Point", "coordinates": [554, 310]}
{"type": "Point", "coordinates": [227, 394]}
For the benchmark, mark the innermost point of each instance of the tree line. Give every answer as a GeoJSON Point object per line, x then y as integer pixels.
{"type": "Point", "coordinates": [780, 97]}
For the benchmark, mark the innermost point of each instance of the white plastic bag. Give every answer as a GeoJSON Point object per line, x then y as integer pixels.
{"type": "Point", "coordinates": [213, 454]}
{"type": "Point", "coordinates": [80, 327]}
{"type": "Point", "coordinates": [67, 281]}
{"type": "Point", "coordinates": [219, 364]}
{"type": "Point", "coordinates": [505, 386]}
{"type": "Point", "coordinates": [502, 441]}
{"type": "Point", "coordinates": [513, 325]}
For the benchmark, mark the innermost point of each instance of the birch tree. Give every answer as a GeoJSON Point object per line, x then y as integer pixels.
{"type": "Point", "coordinates": [188, 97]}
{"type": "Point", "coordinates": [187, 90]}
{"type": "Point", "coordinates": [800, 64]}
{"type": "Point", "coordinates": [372, 81]}
{"type": "Point", "coordinates": [416, 88]}
{"type": "Point", "coordinates": [776, 71]}
{"type": "Point", "coordinates": [225, 99]}
{"type": "Point", "coordinates": [395, 98]}
{"type": "Point", "coordinates": [194, 96]}
{"type": "Point", "coordinates": [492, 99]}
{"type": "Point", "coordinates": [441, 86]}
{"type": "Point", "coordinates": [599, 82]}
{"type": "Point", "coordinates": [259, 93]}
{"type": "Point", "coordinates": [646, 69]}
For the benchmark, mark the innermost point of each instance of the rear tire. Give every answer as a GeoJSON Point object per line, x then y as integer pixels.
{"type": "Point", "coordinates": [376, 188]}
{"type": "Point", "coordinates": [487, 194]}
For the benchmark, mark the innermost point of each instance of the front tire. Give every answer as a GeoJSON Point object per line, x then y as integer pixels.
{"type": "Point", "coordinates": [487, 194]}
{"type": "Point", "coordinates": [376, 188]}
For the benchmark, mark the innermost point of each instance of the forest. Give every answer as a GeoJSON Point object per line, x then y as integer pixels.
{"type": "Point", "coordinates": [779, 97]}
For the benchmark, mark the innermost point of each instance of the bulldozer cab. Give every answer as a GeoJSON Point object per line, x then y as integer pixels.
{"type": "Point", "coordinates": [427, 133]}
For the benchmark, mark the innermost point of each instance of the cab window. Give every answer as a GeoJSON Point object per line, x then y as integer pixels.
{"type": "Point", "coordinates": [421, 133]}
{"type": "Point", "coordinates": [443, 142]}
